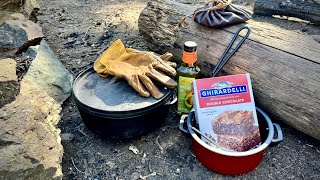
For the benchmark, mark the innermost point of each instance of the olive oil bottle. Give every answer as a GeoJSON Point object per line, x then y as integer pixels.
{"type": "Point", "coordinates": [186, 73]}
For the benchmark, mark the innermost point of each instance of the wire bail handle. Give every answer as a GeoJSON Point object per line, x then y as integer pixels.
{"type": "Point", "coordinates": [221, 61]}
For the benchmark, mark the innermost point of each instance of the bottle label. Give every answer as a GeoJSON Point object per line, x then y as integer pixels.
{"type": "Point", "coordinates": [189, 57]}
{"type": "Point", "coordinates": [185, 95]}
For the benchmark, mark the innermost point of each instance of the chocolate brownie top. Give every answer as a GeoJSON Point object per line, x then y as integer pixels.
{"type": "Point", "coordinates": [235, 117]}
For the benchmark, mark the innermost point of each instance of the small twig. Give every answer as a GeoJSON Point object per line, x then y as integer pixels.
{"type": "Point", "coordinates": [120, 154]}
{"type": "Point", "coordinates": [82, 132]}
{"type": "Point", "coordinates": [269, 175]}
{"type": "Point", "coordinates": [134, 149]}
{"type": "Point", "coordinates": [286, 147]}
{"type": "Point", "coordinates": [160, 158]}
{"type": "Point", "coordinates": [76, 166]}
{"type": "Point", "coordinates": [145, 177]}
{"type": "Point", "coordinates": [149, 166]}
{"type": "Point", "coordinates": [83, 38]}
{"type": "Point", "coordinates": [313, 176]}
{"type": "Point", "coordinates": [158, 144]}
{"type": "Point", "coordinates": [310, 145]}
{"type": "Point", "coordinates": [6, 3]}
{"type": "Point", "coordinates": [286, 167]}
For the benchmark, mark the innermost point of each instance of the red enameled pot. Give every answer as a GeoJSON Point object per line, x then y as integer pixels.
{"type": "Point", "coordinates": [233, 163]}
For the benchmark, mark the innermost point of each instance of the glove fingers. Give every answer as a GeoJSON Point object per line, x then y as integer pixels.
{"type": "Point", "coordinates": [164, 66]}
{"type": "Point", "coordinates": [172, 64]}
{"type": "Point", "coordinates": [166, 80]}
{"type": "Point", "coordinates": [134, 82]}
{"type": "Point", "coordinates": [130, 50]}
{"type": "Point", "coordinates": [155, 92]}
{"type": "Point", "coordinates": [161, 64]}
{"type": "Point", "coordinates": [166, 56]}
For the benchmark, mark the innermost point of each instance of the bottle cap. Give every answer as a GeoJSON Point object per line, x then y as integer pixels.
{"type": "Point", "coordinates": [190, 46]}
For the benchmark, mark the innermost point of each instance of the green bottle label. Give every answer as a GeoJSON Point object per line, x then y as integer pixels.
{"type": "Point", "coordinates": [184, 95]}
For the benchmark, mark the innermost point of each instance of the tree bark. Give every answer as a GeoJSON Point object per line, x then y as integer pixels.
{"type": "Point", "coordinates": [303, 9]}
{"type": "Point", "coordinates": [284, 65]}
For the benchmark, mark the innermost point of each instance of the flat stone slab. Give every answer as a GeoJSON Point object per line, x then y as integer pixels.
{"type": "Point", "coordinates": [8, 70]}
{"type": "Point", "coordinates": [9, 86]}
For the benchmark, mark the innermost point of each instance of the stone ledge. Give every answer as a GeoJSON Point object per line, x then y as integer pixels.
{"type": "Point", "coordinates": [29, 141]}
{"type": "Point", "coordinates": [9, 86]}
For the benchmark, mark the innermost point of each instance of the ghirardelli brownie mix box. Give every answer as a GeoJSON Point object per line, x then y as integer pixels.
{"type": "Point", "coordinates": [226, 113]}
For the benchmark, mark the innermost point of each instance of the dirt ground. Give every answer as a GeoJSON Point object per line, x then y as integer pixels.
{"type": "Point", "coordinates": [78, 31]}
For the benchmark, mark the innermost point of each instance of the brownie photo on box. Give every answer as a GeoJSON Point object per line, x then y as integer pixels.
{"type": "Point", "coordinates": [236, 130]}
{"type": "Point", "coordinates": [240, 143]}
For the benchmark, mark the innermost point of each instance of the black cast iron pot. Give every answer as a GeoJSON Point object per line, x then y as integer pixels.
{"type": "Point", "coordinates": [114, 109]}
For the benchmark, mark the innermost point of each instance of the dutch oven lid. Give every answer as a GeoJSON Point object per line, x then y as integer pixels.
{"type": "Point", "coordinates": [100, 93]}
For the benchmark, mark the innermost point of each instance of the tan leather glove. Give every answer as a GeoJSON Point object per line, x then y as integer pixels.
{"type": "Point", "coordinates": [136, 67]}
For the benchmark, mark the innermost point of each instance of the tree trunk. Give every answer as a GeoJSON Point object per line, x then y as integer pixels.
{"type": "Point", "coordinates": [284, 65]}
{"type": "Point", "coordinates": [303, 9]}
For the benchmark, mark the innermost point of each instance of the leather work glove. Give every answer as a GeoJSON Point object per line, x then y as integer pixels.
{"type": "Point", "coordinates": [136, 67]}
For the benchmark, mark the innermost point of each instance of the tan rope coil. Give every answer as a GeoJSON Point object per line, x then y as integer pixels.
{"type": "Point", "coordinates": [221, 5]}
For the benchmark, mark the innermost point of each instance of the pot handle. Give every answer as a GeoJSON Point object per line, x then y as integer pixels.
{"type": "Point", "coordinates": [279, 135]}
{"type": "Point", "coordinates": [183, 123]}
{"type": "Point", "coordinates": [174, 100]}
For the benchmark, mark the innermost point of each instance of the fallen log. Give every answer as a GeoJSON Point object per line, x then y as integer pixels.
{"type": "Point", "coordinates": [303, 9]}
{"type": "Point", "coordinates": [284, 65]}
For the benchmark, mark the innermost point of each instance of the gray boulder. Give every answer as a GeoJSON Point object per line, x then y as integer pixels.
{"type": "Point", "coordinates": [33, 30]}
{"type": "Point", "coordinates": [11, 37]}
{"type": "Point", "coordinates": [47, 74]}
{"type": "Point", "coordinates": [18, 35]}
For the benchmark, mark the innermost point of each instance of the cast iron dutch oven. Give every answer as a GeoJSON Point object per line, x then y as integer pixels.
{"type": "Point", "coordinates": [114, 109]}
{"type": "Point", "coordinates": [233, 163]}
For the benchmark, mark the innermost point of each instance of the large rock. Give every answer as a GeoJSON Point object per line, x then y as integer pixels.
{"type": "Point", "coordinates": [11, 37]}
{"type": "Point", "coordinates": [31, 8]}
{"type": "Point", "coordinates": [27, 7]}
{"type": "Point", "coordinates": [47, 74]}
{"type": "Point", "coordinates": [30, 145]}
{"type": "Point", "coordinates": [10, 16]}
{"type": "Point", "coordinates": [18, 35]}
{"type": "Point", "coordinates": [9, 86]}
{"type": "Point", "coordinates": [33, 30]}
